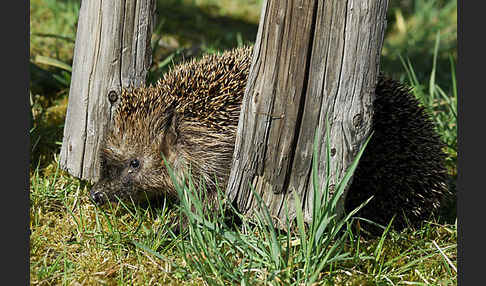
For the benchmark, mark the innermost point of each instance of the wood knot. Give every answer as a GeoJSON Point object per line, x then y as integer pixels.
{"type": "Point", "coordinates": [333, 152]}
{"type": "Point", "coordinates": [255, 98]}
{"type": "Point", "coordinates": [332, 189]}
{"type": "Point", "coordinates": [112, 96]}
{"type": "Point", "coordinates": [357, 120]}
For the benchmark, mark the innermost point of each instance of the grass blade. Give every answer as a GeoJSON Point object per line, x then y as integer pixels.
{"type": "Point", "coordinates": [52, 62]}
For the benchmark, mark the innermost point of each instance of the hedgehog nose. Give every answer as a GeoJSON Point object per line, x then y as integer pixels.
{"type": "Point", "coordinates": [97, 197]}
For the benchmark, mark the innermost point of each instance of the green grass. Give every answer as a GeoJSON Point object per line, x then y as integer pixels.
{"type": "Point", "coordinates": [256, 252]}
{"type": "Point", "coordinates": [73, 241]}
{"type": "Point", "coordinates": [412, 29]}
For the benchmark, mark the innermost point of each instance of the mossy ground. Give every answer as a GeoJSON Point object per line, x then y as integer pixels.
{"type": "Point", "coordinates": [72, 242]}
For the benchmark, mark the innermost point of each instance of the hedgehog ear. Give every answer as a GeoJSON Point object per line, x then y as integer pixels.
{"type": "Point", "coordinates": [169, 140]}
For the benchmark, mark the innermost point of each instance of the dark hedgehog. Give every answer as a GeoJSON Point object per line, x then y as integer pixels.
{"type": "Point", "coordinates": [403, 165]}
{"type": "Point", "coordinates": [190, 117]}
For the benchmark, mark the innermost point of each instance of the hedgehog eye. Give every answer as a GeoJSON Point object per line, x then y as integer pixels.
{"type": "Point", "coordinates": [134, 163]}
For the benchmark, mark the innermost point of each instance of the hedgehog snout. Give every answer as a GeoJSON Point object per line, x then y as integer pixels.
{"type": "Point", "coordinates": [97, 197]}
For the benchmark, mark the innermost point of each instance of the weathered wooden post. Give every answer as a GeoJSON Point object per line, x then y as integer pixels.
{"type": "Point", "coordinates": [312, 60]}
{"type": "Point", "coordinates": [112, 51]}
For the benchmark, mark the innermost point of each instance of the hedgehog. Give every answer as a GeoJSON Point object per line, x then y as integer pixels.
{"type": "Point", "coordinates": [403, 165]}
{"type": "Point", "coordinates": [189, 120]}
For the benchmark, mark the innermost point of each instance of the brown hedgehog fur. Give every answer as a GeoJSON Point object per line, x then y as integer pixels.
{"type": "Point", "coordinates": [190, 117]}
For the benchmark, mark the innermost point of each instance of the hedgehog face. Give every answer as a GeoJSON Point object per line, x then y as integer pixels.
{"type": "Point", "coordinates": [133, 169]}
{"type": "Point", "coordinates": [132, 178]}
{"type": "Point", "coordinates": [119, 180]}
